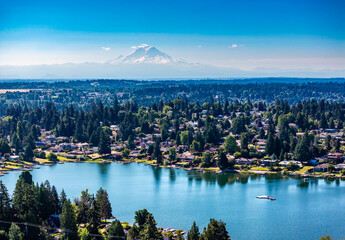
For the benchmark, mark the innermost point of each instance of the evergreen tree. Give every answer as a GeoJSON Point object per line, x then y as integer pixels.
{"type": "Point", "coordinates": [104, 203]}
{"type": "Point", "coordinates": [28, 153]}
{"type": "Point", "coordinates": [4, 147]}
{"type": "Point", "coordinates": [269, 148]}
{"type": "Point", "coordinates": [15, 233]}
{"type": "Point", "coordinates": [115, 231]}
{"type": "Point", "coordinates": [68, 220]}
{"type": "Point", "coordinates": [104, 143]}
{"type": "Point", "coordinates": [157, 154]}
{"type": "Point", "coordinates": [216, 230]}
{"type": "Point", "coordinates": [193, 233]}
{"type": "Point", "coordinates": [230, 144]}
{"type": "Point", "coordinates": [222, 160]}
{"type": "Point", "coordinates": [150, 231]}
{"type": "Point", "coordinates": [94, 216]}
{"type": "Point", "coordinates": [302, 152]}
{"type": "Point", "coordinates": [5, 203]}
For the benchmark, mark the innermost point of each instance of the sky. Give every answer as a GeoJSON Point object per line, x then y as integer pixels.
{"type": "Point", "coordinates": [245, 34]}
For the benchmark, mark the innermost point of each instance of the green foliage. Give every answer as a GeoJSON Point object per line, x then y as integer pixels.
{"type": "Point", "coordinates": [52, 157]}
{"type": "Point", "coordinates": [193, 233]}
{"type": "Point", "coordinates": [15, 232]}
{"type": "Point", "coordinates": [230, 144]}
{"type": "Point", "coordinates": [68, 220]}
{"type": "Point", "coordinates": [115, 231]}
{"type": "Point", "coordinates": [4, 147]}
{"type": "Point", "coordinates": [104, 203]}
{"type": "Point", "coordinates": [215, 230]}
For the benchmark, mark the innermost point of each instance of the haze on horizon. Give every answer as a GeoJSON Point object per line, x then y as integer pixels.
{"type": "Point", "coordinates": [245, 35]}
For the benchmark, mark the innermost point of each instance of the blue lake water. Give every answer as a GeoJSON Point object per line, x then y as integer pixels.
{"type": "Point", "coordinates": [303, 210]}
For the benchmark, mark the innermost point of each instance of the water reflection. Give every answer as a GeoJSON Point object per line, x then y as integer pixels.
{"type": "Point", "coordinates": [104, 171]}
{"type": "Point", "coordinates": [157, 173]}
{"type": "Point", "coordinates": [172, 174]}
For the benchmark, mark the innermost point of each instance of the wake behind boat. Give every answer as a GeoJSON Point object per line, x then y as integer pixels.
{"type": "Point", "coordinates": [265, 197]}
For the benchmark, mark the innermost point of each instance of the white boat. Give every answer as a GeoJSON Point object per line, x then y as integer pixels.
{"type": "Point", "coordinates": [265, 197]}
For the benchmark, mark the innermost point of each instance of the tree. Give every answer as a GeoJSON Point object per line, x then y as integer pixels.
{"type": "Point", "coordinates": [68, 220]}
{"type": "Point", "coordinates": [149, 230]}
{"type": "Point", "coordinates": [83, 233]}
{"type": "Point", "coordinates": [52, 157]}
{"type": "Point", "coordinates": [25, 203]}
{"type": "Point", "coordinates": [104, 203]}
{"type": "Point", "coordinates": [15, 143]}
{"type": "Point", "coordinates": [157, 154]}
{"type": "Point", "coordinates": [94, 216]}
{"type": "Point", "coordinates": [269, 147]}
{"type": "Point", "coordinates": [4, 147]}
{"type": "Point", "coordinates": [5, 203]}
{"type": "Point", "coordinates": [84, 205]}
{"type": "Point", "coordinates": [26, 177]}
{"type": "Point", "coordinates": [115, 231]}
{"type": "Point", "coordinates": [330, 168]}
{"type": "Point", "coordinates": [216, 230]}
{"type": "Point", "coordinates": [327, 237]}
{"type": "Point", "coordinates": [230, 144]}
{"type": "Point", "coordinates": [28, 153]}
{"type": "Point", "coordinates": [131, 145]}
{"type": "Point", "coordinates": [193, 233]}
{"type": "Point", "coordinates": [141, 217]}
{"type": "Point", "coordinates": [133, 233]}
{"type": "Point", "coordinates": [125, 153]}
{"type": "Point", "coordinates": [104, 143]}
{"type": "Point", "coordinates": [15, 233]}
{"type": "Point", "coordinates": [206, 158]}
{"type": "Point", "coordinates": [172, 153]}
{"type": "Point", "coordinates": [244, 141]}
{"type": "Point", "coordinates": [302, 152]}
{"type": "Point", "coordinates": [222, 160]}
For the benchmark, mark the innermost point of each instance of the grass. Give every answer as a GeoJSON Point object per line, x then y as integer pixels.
{"type": "Point", "coordinates": [13, 167]}
{"type": "Point", "coordinates": [42, 160]}
{"type": "Point", "coordinates": [64, 159]}
{"type": "Point", "coordinates": [304, 169]}
{"type": "Point", "coordinates": [259, 169]}
{"type": "Point", "coordinates": [212, 169]}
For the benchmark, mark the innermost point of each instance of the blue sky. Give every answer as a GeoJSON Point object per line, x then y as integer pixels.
{"type": "Point", "coordinates": [242, 33]}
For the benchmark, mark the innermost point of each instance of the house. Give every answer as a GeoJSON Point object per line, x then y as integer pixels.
{"type": "Point", "coordinates": [244, 161]}
{"type": "Point", "coordinates": [287, 162]}
{"type": "Point", "coordinates": [340, 167]}
{"type": "Point", "coordinates": [321, 168]}
{"type": "Point", "coordinates": [335, 157]}
{"type": "Point", "coordinates": [314, 161]}
{"type": "Point", "coordinates": [268, 162]}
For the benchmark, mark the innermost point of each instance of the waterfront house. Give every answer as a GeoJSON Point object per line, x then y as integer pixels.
{"type": "Point", "coordinates": [244, 161]}
{"type": "Point", "coordinates": [340, 167]}
{"type": "Point", "coordinates": [321, 168]}
{"type": "Point", "coordinates": [287, 162]}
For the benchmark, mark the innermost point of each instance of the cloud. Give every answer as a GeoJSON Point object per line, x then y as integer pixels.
{"type": "Point", "coordinates": [199, 46]}
{"type": "Point", "coordinates": [106, 48]}
{"type": "Point", "coordinates": [235, 45]}
{"type": "Point", "coordinates": [140, 46]}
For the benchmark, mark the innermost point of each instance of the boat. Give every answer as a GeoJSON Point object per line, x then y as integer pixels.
{"type": "Point", "coordinates": [265, 197]}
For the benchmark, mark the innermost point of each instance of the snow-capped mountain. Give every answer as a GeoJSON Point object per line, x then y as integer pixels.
{"type": "Point", "coordinates": [146, 54]}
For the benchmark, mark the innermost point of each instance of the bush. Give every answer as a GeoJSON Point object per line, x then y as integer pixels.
{"type": "Point", "coordinates": [52, 157]}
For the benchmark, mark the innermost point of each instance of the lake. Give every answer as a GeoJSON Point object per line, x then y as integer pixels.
{"type": "Point", "coordinates": [303, 210]}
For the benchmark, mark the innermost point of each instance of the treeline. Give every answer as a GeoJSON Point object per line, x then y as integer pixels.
{"type": "Point", "coordinates": [82, 93]}
{"type": "Point", "coordinates": [28, 216]}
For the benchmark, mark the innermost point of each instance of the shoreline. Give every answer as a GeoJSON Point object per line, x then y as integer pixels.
{"type": "Point", "coordinates": [30, 166]}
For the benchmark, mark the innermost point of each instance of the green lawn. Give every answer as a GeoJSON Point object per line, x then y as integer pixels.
{"type": "Point", "coordinates": [259, 169]}
{"type": "Point", "coordinates": [304, 169]}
